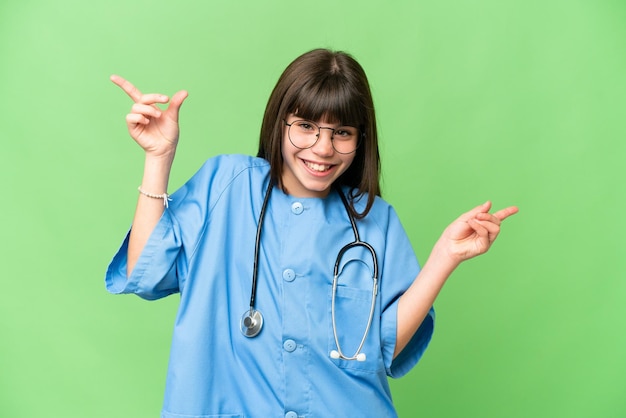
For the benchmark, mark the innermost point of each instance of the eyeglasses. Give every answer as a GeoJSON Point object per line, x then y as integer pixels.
{"type": "Point", "coordinates": [304, 134]}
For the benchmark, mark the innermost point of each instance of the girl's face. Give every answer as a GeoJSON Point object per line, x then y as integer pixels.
{"type": "Point", "coordinates": [311, 172]}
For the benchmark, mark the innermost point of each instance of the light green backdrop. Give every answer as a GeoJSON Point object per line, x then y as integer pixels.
{"type": "Point", "coordinates": [521, 102]}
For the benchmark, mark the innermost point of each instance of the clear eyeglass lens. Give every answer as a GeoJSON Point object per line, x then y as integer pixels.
{"type": "Point", "coordinates": [304, 134]}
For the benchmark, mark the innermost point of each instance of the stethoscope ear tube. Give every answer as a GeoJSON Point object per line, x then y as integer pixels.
{"type": "Point", "coordinates": [338, 354]}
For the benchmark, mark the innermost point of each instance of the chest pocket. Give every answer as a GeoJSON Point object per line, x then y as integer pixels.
{"type": "Point", "coordinates": [353, 303]}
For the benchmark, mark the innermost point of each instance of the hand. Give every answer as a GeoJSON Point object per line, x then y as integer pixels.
{"type": "Point", "coordinates": [155, 131]}
{"type": "Point", "coordinates": [473, 232]}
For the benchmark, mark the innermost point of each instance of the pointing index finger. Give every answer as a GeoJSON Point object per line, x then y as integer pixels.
{"type": "Point", "coordinates": [502, 214]}
{"type": "Point", "coordinates": [127, 86]}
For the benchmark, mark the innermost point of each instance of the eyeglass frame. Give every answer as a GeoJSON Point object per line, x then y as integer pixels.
{"type": "Point", "coordinates": [360, 135]}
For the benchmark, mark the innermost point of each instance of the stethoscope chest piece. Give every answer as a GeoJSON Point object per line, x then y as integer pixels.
{"type": "Point", "coordinates": [251, 323]}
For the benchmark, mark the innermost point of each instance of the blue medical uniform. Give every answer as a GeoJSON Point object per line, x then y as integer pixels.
{"type": "Point", "coordinates": [203, 248]}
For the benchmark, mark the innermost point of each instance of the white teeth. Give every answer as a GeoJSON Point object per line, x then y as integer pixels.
{"type": "Point", "coordinates": [317, 167]}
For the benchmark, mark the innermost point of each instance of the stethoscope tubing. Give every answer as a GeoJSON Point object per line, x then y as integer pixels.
{"type": "Point", "coordinates": [257, 244]}
{"type": "Point", "coordinates": [252, 320]}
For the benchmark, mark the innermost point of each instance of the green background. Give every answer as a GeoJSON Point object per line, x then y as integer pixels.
{"type": "Point", "coordinates": [520, 102]}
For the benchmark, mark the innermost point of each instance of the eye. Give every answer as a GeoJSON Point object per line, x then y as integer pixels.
{"type": "Point", "coordinates": [305, 125]}
{"type": "Point", "coordinates": [345, 132]}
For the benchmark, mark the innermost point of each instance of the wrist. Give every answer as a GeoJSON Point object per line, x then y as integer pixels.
{"type": "Point", "coordinates": [164, 159]}
{"type": "Point", "coordinates": [156, 173]}
{"type": "Point", "coordinates": [162, 196]}
{"type": "Point", "coordinates": [443, 259]}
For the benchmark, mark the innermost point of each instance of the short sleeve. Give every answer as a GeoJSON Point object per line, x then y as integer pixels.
{"type": "Point", "coordinates": [414, 350]}
{"type": "Point", "coordinates": [154, 275]}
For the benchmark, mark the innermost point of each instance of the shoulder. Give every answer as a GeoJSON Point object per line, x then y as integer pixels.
{"type": "Point", "coordinates": [222, 170]}
{"type": "Point", "coordinates": [234, 164]}
{"type": "Point", "coordinates": [228, 173]}
{"type": "Point", "coordinates": [380, 212]}
{"type": "Point", "coordinates": [383, 217]}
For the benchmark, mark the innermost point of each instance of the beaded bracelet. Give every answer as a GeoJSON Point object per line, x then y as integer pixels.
{"type": "Point", "coordinates": [163, 196]}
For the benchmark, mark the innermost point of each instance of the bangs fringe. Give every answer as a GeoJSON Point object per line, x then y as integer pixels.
{"type": "Point", "coordinates": [332, 100]}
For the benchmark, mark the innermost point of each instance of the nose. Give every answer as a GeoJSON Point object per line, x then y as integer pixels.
{"type": "Point", "coordinates": [324, 144]}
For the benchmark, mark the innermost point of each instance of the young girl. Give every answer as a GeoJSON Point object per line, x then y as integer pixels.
{"type": "Point", "coordinates": [299, 289]}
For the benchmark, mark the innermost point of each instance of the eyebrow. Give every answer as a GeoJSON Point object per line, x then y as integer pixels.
{"type": "Point", "coordinates": [324, 124]}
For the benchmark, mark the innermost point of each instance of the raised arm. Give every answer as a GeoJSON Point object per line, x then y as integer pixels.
{"type": "Point", "coordinates": [156, 131]}
{"type": "Point", "coordinates": [468, 236]}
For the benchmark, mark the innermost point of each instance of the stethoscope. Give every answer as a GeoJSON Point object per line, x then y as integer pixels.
{"type": "Point", "coordinates": [252, 319]}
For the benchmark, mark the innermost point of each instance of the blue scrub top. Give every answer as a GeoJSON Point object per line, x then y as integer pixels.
{"type": "Point", "coordinates": [203, 248]}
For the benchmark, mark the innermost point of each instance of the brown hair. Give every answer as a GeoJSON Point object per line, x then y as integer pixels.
{"type": "Point", "coordinates": [332, 85]}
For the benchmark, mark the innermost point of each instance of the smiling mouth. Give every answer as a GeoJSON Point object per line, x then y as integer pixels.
{"type": "Point", "coordinates": [320, 168]}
